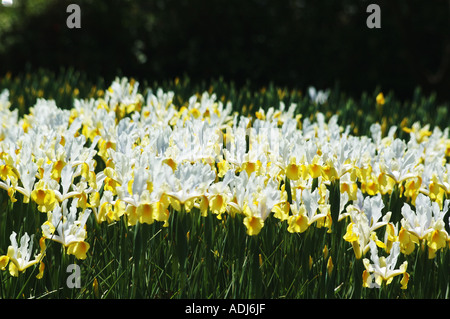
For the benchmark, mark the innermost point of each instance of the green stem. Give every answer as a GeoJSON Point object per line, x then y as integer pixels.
{"type": "Point", "coordinates": [358, 269]}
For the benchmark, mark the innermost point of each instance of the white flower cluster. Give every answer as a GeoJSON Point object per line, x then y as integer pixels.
{"type": "Point", "coordinates": [142, 158]}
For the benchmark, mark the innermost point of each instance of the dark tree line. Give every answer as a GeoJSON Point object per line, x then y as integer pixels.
{"type": "Point", "coordinates": [293, 43]}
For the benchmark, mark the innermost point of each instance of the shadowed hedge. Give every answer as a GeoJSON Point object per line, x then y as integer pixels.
{"type": "Point", "coordinates": [290, 43]}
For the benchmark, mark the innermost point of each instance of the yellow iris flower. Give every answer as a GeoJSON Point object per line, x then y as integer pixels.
{"type": "Point", "coordinates": [19, 257]}
{"type": "Point", "coordinates": [380, 99]}
{"type": "Point", "coordinates": [425, 224]}
{"type": "Point", "coordinates": [382, 269]}
{"type": "Point", "coordinates": [44, 197]}
{"type": "Point", "coordinates": [366, 216]}
{"type": "Point", "coordinates": [68, 227]}
{"type": "Point", "coordinates": [306, 210]}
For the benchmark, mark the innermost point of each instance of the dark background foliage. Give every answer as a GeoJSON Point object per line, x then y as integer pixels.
{"type": "Point", "coordinates": [293, 43]}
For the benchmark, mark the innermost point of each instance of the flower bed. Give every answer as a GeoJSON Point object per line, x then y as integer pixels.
{"type": "Point", "coordinates": [156, 198]}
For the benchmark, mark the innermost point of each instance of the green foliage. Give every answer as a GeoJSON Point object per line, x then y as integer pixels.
{"type": "Point", "coordinates": [220, 261]}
